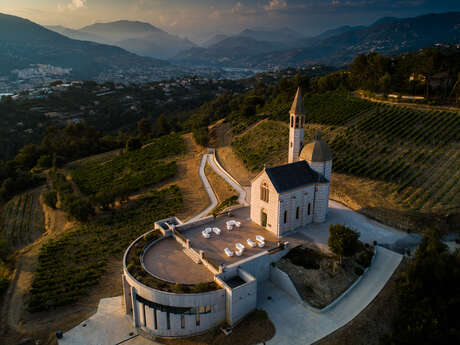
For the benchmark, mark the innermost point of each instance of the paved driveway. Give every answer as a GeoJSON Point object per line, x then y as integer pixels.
{"type": "Point", "coordinates": [369, 229]}
{"type": "Point", "coordinates": [299, 325]}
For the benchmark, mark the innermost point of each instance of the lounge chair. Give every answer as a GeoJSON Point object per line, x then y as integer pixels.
{"type": "Point", "coordinates": [260, 238]}
{"type": "Point", "coordinates": [205, 234]}
{"type": "Point", "coordinates": [238, 224]}
{"type": "Point", "coordinates": [216, 231]}
{"type": "Point", "coordinates": [251, 243]}
{"type": "Point", "coordinates": [261, 244]}
{"type": "Point", "coordinates": [208, 230]}
{"type": "Point", "coordinates": [229, 226]}
{"type": "Point", "coordinates": [239, 246]}
{"type": "Point", "coordinates": [239, 252]}
{"type": "Point", "coordinates": [228, 252]}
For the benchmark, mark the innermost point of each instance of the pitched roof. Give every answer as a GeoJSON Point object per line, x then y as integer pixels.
{"type": "Point", "coordinates": [297, 105]}
{"type": "Point", "coordinates": [293, 175]}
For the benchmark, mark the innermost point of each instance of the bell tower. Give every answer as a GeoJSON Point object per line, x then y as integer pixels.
{"type": "Point", "coordinates": [296, 131]}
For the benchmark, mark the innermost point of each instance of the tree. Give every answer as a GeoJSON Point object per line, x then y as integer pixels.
{"type": "Point", "coordinates": [144, 127]}
{"type": "Point", "coordinates": [80, 209]}
{"type": "Point", "coordinates": [162, 126]}
{"type": "Point", "coordinates": [50, 198]}
{"type": "Point", "coordinates": [343, 241]}
{"type": "Point", "coordinates": [133, 144]}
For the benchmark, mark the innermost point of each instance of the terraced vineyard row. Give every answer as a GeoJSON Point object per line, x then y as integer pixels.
{"type": "Point", "coordinates": [417, 151]}
{"type": "Point", "coordinates": [130, 171]}
{"type": "Point", "coordinates": [70, 264]}
{"type": "Point", "coordinates": [22, 219]}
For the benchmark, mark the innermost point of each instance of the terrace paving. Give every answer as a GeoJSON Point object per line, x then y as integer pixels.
{"type": "Point", "coordinates": [167, 261]}
{"type": "Point", "coordinates": [214, 246]}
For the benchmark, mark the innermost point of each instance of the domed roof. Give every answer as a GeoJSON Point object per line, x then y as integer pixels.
{"type": "Point", "coordinates": [316, 151]}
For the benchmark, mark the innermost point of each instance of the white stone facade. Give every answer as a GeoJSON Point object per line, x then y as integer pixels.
{"type": "Point", "coordinates": [290, 210]}
{"type": "Point", "coordinates": [296, 138]}
{"type": "Point", "coordinates": [323, 168]}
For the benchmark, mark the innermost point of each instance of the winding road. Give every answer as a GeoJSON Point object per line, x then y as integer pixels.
{"type": "Point", "coordinates": [295, 322]}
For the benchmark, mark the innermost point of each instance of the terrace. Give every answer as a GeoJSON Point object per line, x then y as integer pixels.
{"type": "Point", "coordinates": [167, 261]}
{"type": "Point", "coordinates": [215, 245]}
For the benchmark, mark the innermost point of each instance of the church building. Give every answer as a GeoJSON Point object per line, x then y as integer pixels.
{"type": "Point", "coordinates": [286, 197]}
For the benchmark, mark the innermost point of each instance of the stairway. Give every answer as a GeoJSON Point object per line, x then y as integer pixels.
{"type": "Point", "coordinates": [192, 255]}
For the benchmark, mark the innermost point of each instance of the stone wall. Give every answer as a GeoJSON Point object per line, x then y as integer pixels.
{"type": "Point", "coordinates": [321, 203]}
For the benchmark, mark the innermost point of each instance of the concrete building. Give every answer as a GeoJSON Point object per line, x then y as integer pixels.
{"type": "Point", "coordinates": [185, 282]}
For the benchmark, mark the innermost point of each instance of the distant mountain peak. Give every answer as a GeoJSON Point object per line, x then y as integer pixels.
{"type": "Point", "coordinates": [125, 26]}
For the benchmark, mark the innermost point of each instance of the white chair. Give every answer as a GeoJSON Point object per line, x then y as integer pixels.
{"type": "Point", "coordinates": [251, 243]}
{"type": "Point", "coordinates": [216, 231]}
{"type": "Point", "coordinates": [208, 230]}
{"type": "Point", "coordinates": [238, 224]}
{"type": "Point", "coordinates": [239, 246]}
{"type": "Point", "coordinates": [261, 244]}
{"type": "Point", "coordinates": [228, 252]}
{"type": "Point", "coordinates": [239, 252]}
{"type": "Point", "coordinates": [260, 238]}
{"type": "Point", "coordinates": [229, 226]}
{"type": "Point", "coordinates": [205, 234]}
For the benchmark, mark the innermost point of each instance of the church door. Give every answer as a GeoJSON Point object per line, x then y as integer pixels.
{"type": "Point", "coordinates": [264, 218]}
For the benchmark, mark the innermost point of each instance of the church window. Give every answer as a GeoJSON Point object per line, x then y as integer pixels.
{"type": "Point", "coordinates": [182, 321]}
{"type": "Point", "coordinates": [264, 192]}
{"type": "Point", "coordinates": [309, 209]}
{"type": "Point", "coordinates": [168, 320]}
{"type": "Point", "coordinates": [297, 213]}
{"type": "Point", "coordinates": [285, 217]}
{"type": "Point", "coordinates": [296, 122]}
{"type": "Point", "coordinates": [292, 121]}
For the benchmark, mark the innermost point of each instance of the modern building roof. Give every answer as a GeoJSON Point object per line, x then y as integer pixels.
{"type": "Point", "coordinates": [316, 151]}
{"type": "Point", "coordinates": [297, 105]}
{"type": "Point", "coordinates": [293, 175]}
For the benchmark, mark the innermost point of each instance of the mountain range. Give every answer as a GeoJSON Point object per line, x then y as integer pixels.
{"type": "Point", "coordinates": [137, 37]}
{"type": "Point", "coordinates": [333, 47]}
{"type": "Point", "coordinates": [24, 43]}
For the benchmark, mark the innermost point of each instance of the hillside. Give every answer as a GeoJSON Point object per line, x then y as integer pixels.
{"type": "Point", "coordinates": [390, 161]}
{"type": "Point", "coordinates": [333, 47]}
{"type": "Point", "coordinates": [385, 37]}
{"type": "Point", "coordinates": [138, 37]}
{"type": "Point", "coordinates": [24, 43]}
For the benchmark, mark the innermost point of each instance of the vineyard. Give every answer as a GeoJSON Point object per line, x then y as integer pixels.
{"type": "Point", "coordinates": [132, 170]}
{"type": "Point", "coordinates": [264, 144]}
{"type": "Point", "coordinates": [22, 219]}
{"type": "Point", "coordinates": [70, 265]}
{"type": "Point", "coordinates": [416, 153]}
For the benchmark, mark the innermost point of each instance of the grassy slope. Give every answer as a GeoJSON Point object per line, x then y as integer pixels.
{"type": "Point", "coordinates": [405, 158]}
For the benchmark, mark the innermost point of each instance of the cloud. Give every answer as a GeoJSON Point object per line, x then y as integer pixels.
{"type": "Point", "coordinates": [237, 8]}
{"type": "Point", "coordinates": [73, 5]}
{"type": "Point", "coordinates": [275, 5]}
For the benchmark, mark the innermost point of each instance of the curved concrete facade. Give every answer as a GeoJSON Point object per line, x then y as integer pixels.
{"type": "Point", "coordinates": [166, 314]}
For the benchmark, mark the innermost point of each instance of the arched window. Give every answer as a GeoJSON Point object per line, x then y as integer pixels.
{"type": "Point", "coordinates": [264, 192]}
{"type": "Point", "coordinates": [292, 121]}
{"type": "Point", "coordinates": [297, 211]}
{"type": "Point", "coordinates": [309, 208]}
{"type": "Point", "coordinates": [285, 217]}
{"type": "Point", "coordinates": [297, 122]}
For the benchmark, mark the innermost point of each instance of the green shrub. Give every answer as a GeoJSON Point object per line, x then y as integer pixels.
{"type": "Point", "coordinates": [365, 258]}
{"type": "Point", "coordinates": [304, 257]}
{"type": "Point", "coordinates": [342, 240]}
{"type": "Point", "coordinates": [359, 271]}
{"type": "Point", "coordinates": [50, 198]}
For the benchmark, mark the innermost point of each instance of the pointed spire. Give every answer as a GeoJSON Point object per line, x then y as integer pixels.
{"type": "Point", "coordinates": [297, 105]}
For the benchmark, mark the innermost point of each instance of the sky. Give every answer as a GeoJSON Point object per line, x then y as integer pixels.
{"type": "Point", "coordinates": [200, 19]}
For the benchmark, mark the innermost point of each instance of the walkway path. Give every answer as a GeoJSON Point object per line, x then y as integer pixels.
{"type": "Point", "coordinates": [300, 325]}
{"type": "Point", "coordinates": [214, 164]}
{"type": "Point", "coordinates": [209, 190]}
